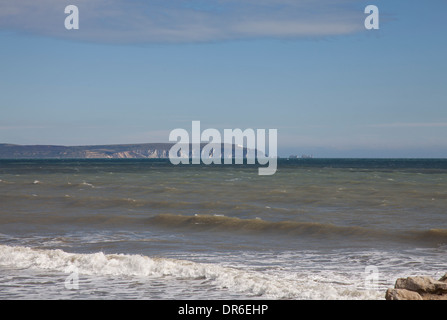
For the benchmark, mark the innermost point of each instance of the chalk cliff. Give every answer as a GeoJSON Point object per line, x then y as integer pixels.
{"type": "Point", "coordinates": [119, 151]}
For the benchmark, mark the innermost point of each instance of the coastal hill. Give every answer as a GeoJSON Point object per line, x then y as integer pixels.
{"type": "Point", "coordinates": [118, 151]}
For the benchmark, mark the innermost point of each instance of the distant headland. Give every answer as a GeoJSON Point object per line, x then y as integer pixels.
{"type": "Point", "coordinates": [118, 151]}
{"type": "Point", "coordinates": [114, 151]}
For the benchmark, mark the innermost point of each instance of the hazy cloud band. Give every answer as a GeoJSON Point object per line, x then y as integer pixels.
{"type": "Point", "coordinates": [181, 21]}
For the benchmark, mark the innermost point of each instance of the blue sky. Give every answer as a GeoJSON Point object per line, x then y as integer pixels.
{"type": "Point", "coordinates": [135, 70]}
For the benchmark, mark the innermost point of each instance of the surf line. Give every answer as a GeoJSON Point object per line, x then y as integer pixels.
{"type": "Point", "coordinates": [247, 144]}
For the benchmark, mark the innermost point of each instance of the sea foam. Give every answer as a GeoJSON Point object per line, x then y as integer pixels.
{"type": "Point", "coordinates": [249, 282]}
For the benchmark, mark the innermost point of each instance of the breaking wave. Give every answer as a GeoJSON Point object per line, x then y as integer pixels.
{"type": "Point", "coordinates": [294, 228]}
{"type": "Point", "coordinates": [219, 222]}
{"type": "Point", "coordinates": [253, 283]}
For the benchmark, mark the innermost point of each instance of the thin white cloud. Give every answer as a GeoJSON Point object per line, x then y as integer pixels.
{"type": "Point", "coordinates": [409, 125]}
{"type": "Point", "coordinates": [180, 21]}
{"type": "Point", "coordinates": [20, 127]}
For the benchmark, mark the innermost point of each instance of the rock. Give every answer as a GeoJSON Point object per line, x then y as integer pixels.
{"type": "Point", "coordinates": [443, 278]}
{"type": "Point", "coordinates": [418, 288]}
{"type": "Point", "coordinates": [422, 285]}
{"type": "Point", "coordinates": [402, 294]}
{"type": "Point", "coordinates": [430, 296]}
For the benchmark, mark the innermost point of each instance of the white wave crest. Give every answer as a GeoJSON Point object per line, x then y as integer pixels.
{"type": "Point", "coordinates": [253, 283]}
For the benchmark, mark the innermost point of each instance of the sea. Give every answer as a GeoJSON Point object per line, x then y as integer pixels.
{"type": "Point", "coordinates": [145, 229]}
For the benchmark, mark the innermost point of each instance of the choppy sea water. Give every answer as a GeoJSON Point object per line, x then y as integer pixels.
{"type": "Point", "coordinates": [146, 229]}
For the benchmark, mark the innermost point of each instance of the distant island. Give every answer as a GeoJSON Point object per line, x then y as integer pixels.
{"type": "Point", "coordinates": [304, 156]}
{"type": "Point", "coordinates": [118, 151]}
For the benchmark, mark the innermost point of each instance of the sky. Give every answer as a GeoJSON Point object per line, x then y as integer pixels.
{"type": "Point", "coordinates": [135, 70]}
